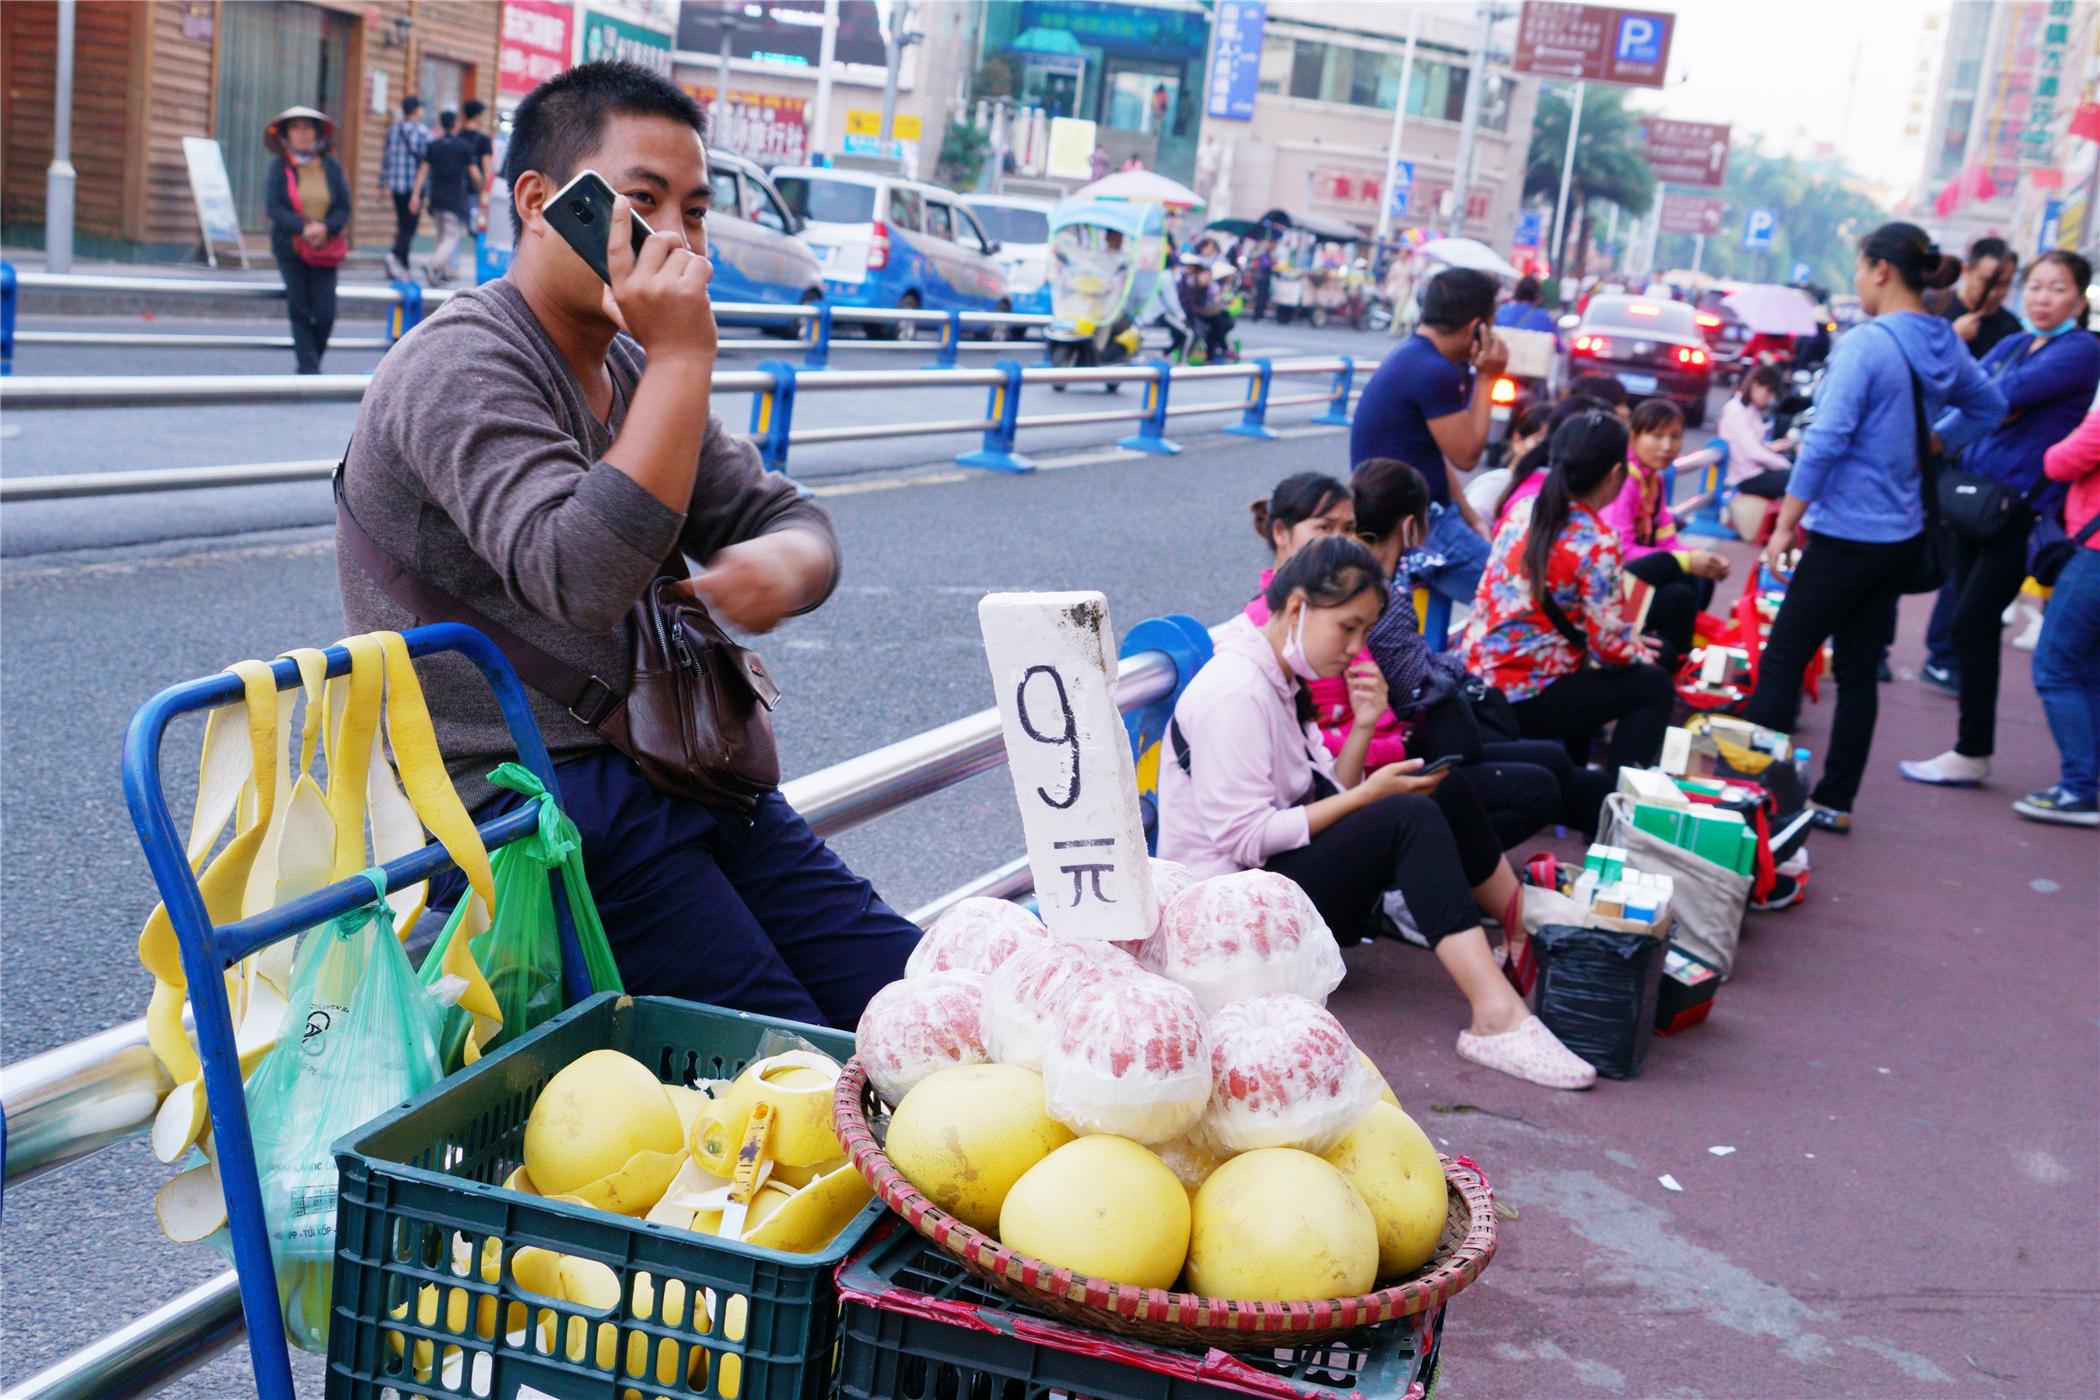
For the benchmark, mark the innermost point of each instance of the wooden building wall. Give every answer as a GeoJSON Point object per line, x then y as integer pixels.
{"type": "Point", "coordinates": [141, 84]}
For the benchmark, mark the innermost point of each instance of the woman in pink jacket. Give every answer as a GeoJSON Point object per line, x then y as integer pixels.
{"type": "Point", "coordinates": [1683, 579]}
{"type": "Point", "coordinates": [1247, 783]}
{"type": "Point", "coordinates": [2067, 656]}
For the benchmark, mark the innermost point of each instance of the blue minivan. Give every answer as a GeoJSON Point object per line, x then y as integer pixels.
{"type": "Point", "coordinates": [885, 241]}
{"type": "Point", "coordinates": [751, 241]}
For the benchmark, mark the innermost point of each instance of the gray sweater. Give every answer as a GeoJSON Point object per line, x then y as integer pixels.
{"type": "Point", "coordinates": [478, 465]}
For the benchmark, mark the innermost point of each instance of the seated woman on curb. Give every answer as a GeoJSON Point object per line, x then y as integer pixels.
{"type": "Point", "coordinates": [1755, 467]}
{"type": "Point", "coordinates": [1528, 473]}
{"type": "Point", "coordinates": [1248, 784]}
{"type": "Point", "coordinates": [1550, 603]}
{"type": "Point", "coordinates": [1523, 783]}
{"type": "Point", "coordinates": [1683, 579]}
{"type": "Point", "coordinates": [1518, 800]}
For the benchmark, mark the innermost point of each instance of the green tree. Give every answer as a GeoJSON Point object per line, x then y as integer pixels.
{"type": "Point", "coordinates": [1821, 218]}
{"type": "Point", "coordinates": [963, 152]}
{"type": "Point", "coordinates": [1609, 166]}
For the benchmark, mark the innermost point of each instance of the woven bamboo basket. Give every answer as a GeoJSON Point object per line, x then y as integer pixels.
{"type": "Point", "coordinates": [1156, 1314]}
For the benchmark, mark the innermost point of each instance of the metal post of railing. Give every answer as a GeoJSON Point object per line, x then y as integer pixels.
{"type": "Point", "coordinates": [1003, 407]}
{"type": "Point", "coordinates": [409, 311]}
{"type": "Point", "coordinates": [1254, 423]}
{"type": "Point", "coordinates": [1151, 434]}
{"type": "Point", "coordinates": [1336, 413]}
{"type": "Point", "coordinates": [773, 414]}
{"type": "Point", "coordinates": [951, 340]}
{"type": "Point", "coordinates": [8, 282]}
{"type": "Point", "coordinates": [818, 355]}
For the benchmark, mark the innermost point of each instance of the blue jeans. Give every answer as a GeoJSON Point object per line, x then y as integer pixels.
{"type": "Point", "coordinates": [1457, 559]}
{"type": "Point", "coordinates": [702, 903]}
{"type": "Point", "coordinates": [2067, 671]}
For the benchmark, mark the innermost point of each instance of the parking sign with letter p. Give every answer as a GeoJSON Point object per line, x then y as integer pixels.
{"type": "Point", "coordinates": [1640, 40]}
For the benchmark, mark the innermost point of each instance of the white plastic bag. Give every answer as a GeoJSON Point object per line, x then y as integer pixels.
{"type": "Point", "coordinates": [975, 934]}
{"type": "Point", "coordinates": [1129, 1057]}
{"type": "Point", "coordinates": [1232, 937]}
{"type": "Point", "coordinates": [1284, 1074]}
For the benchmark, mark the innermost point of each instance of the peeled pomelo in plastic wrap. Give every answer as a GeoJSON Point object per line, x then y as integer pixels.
{"type": "Point", "coordinates": [918, 1025]}
{"type": "Point", "coordinates": [1283, 1074]}
{"type": "Point", "coordinates": [1170, 880]}
{"type": "Point", "coordinates": [1129, 1057]}
{"type": "Point", "coordinates": [1024, 998]}
{"type": "Point", "coordinates": [1232, 937]}
{"type": "Point", "coordinates": [975, 934]}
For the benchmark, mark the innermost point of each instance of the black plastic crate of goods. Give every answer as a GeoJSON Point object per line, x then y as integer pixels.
{"type": "Point", "coordinates": [427, 1301]}
{"type": "Point", "coordinates": [916, 1325]}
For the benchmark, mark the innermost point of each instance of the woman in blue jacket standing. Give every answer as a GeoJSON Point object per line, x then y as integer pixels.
{"type": "Point", "coordinates": [1856, 490]}
{"type": "Point", "coordinates": [2048, 376]}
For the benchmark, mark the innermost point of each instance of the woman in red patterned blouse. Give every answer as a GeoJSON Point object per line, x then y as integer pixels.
{"type": "Point", "coordinates": [1549, 625]}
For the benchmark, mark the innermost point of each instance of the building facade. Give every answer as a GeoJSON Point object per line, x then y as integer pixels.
{"type": "Point", "coordinates": [1322, 118]}
{"type": "Point", "coordinates": [148, 74]}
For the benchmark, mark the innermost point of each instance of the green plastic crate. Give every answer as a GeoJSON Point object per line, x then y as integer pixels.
{"type": "Point", "coordinates": [916, 1325]}
{"type": "Point", "coordinates": [420, 1198]}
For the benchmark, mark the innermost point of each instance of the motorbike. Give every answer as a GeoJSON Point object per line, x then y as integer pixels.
{"type": "Point", "coordinates": [1105, 260]}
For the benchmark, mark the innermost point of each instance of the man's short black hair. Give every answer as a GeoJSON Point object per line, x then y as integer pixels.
{"type": "Point", "coordinates": [1527, 289]}
{"type": "Point", "coordinates": [411, 105]}
{"type": "Point", "coordinates": [563, 119]}
{"type": "Point", "coordinates": [472, 108]}
{"type": "Point", "coordinates": [1458, 295]}
{"type": "Point", "coordinates": [1989, 247]}
{"type": "Point", "coordinates": [448, 119]}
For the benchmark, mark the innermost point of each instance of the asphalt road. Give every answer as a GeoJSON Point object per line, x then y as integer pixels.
{"type": "Point", "coordinates": [1904, 1066]}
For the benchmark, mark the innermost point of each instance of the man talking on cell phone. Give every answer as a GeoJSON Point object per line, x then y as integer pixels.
{"type": "Point", "coordinates": [570, 452]}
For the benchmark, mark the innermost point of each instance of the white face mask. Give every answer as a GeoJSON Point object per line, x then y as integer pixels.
{"type": "Point", "coordinates": [1294, 650]}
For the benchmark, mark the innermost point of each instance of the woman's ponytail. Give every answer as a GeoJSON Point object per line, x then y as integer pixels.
{"type": "Point", "coordinates": [1916, 258]}
{"type": "Point", "coordinates": [1585, 450]}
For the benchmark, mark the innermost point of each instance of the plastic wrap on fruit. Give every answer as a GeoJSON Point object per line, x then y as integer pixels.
{"type": "Point", "coordinates": [976, 935]}
{"type": "Point", "coordinates": [1129, 1057]}
{"type": "Point", "coordinates": [1025, 996]}
{"type": "Point", "coordinates": [1283, 1074]}
{"type": "Point", "coordinates": [1232, 937]}
{"type": "Point", "coordinates": [917, 1025]}
{"type": "Point", "coordinates": [1170, 880]}
{"type": "Point", "coordinates": [798, 1085]}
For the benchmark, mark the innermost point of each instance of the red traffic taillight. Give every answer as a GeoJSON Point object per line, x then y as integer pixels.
{"type": "Point", "coordinates": [1687, 355]}
{"type": "Point", "coordinates": [879, 246]}
{"type": "Point", "coordinates": [1504, 391]}
{"type": "Point", "coordinates": [1593, 345]}
{"type": "Point", "coordinates": [1712, 323]}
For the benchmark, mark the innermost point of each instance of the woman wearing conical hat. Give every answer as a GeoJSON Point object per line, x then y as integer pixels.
{"type": "Point", "coordinates": [308, 202]}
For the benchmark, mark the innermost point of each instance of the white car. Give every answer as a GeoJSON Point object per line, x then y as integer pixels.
{"type": "Point", "coordinates": [1022, 226]}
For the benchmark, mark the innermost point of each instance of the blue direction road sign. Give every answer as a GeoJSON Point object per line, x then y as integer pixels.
{"type": "Point", "coordinates": [1758, 227]}
{"type": "Point", "coordinates": [1235, 59]}
{"type": "Point", "coordinates": [1400, 188]}
{"type": "Point", "coordinates": [1531, 227]}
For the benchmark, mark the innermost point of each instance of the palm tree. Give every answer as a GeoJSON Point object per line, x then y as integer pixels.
{"type": "Point", "coordinates": [1609, 165]}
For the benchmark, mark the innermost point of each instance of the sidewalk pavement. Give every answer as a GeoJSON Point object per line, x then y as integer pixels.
{"type": "Point", "coordinates": [1903, 1069]}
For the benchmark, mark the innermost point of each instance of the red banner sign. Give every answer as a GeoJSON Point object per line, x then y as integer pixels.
{"type": "Point", "coordinates": [538, 36]}
{"type": "Point", "coordinates": [1686, 153]}
{"type": "Point", "coordinates": [1360, 189]}
{"type": "Point", "coordinates": [761, 126]}
{"type": "Point", "coordinates": [1593, 42]}
{"type": "Point", "coordinates": [1692, 213]}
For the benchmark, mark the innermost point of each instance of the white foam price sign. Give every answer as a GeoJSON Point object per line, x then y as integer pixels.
{"type": "Point", "coordinates": [1053, 670]}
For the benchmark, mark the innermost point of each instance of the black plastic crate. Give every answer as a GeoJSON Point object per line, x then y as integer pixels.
{"type": "Point", "coordinates": [413, 1314]}
{"type": "Point", "coordinates": [916, 1325]}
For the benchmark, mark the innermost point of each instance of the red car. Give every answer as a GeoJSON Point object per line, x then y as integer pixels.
{"type": "Point", "coordinates": [1655, 348]}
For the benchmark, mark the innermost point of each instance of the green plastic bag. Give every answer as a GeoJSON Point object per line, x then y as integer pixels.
{"type": "Point", "coordinates": [520, 953]}
{"type": "Point", "coordinates": [367, 1038]}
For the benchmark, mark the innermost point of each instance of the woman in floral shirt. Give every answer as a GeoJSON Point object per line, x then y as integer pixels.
{"type": "Point", "coordinates": [1555, 555]}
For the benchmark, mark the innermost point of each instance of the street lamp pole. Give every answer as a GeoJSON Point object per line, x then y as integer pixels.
{"type": "Point", "coordinates": [1469, 126]}
{"type": "Point", "coordinates": [58, 176]}
{"type": "Point", "coordinates": [900, 36]}
{"type": "Point", "coordinates": [1392, 147]}
{"type": "Point", "coordinates": [827, 52]}
{"type": "Point", "coordinates": [1567, 178]}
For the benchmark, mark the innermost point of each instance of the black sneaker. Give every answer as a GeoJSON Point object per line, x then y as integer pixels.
{"type": "Point", "coordinates": [1786, 892]}
{"type": "Point", "coordinates": [1833, 819]}
{"type": "Point", "coordinates": [1941, 678]}
{"type": "Point", "coordinates": [2056, 804]}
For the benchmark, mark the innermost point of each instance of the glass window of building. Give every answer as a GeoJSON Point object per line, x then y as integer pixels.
{"type": "Point", "coordinates": [1358, 77]}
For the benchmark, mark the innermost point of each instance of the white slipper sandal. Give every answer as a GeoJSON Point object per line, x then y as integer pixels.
{"type": "Point", "coordinates": [1531, 1053]}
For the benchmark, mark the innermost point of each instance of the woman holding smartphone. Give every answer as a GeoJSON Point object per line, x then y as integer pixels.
{"type": "Point", "coordinates": [1245, 782]}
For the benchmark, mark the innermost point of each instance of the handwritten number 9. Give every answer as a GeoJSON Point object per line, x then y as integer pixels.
{"type": "Point", "coordinates": [1069, 739]}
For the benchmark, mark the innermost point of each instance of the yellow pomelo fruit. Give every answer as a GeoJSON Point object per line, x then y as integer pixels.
{"type": "Point", "coordinates": [799, 1177]}
{"type": "Point", "coordinates": [1385, 1090]}
{"type": "Point", "coordinates": [591, 1120]}
{"type": "Point", "coordinates": [634, 1187]}
{"type": "Point", "coordinates": [815, 1214]}
{"type": "Point", "coordinates": [1394, 1167]}
{"type": "Point", "coordinates": [1102, 1206]}
{"type": "Point", "coordinates": [798, 1086]}
{"type": "Point", "coordinates": [965, 1135]}
{"type": "Point", "coordinates": [520, 1180]}
{"type": "Point", "coordinates": [1277, 1224]}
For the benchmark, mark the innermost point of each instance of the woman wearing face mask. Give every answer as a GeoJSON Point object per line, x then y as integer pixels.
{"type": "Point", "coordinates": [1247, 783]}
{"type": "Point", "coordinates": [1550, 603]}
{"type": "Point", "coordinates": [2048, 375]}
{"type": "Point", "coordinates": [1856, 487]}
{"type": "Point", "coordinates": [308, 202]}
{"type": "Point", "coordinates": [1683, 579]}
